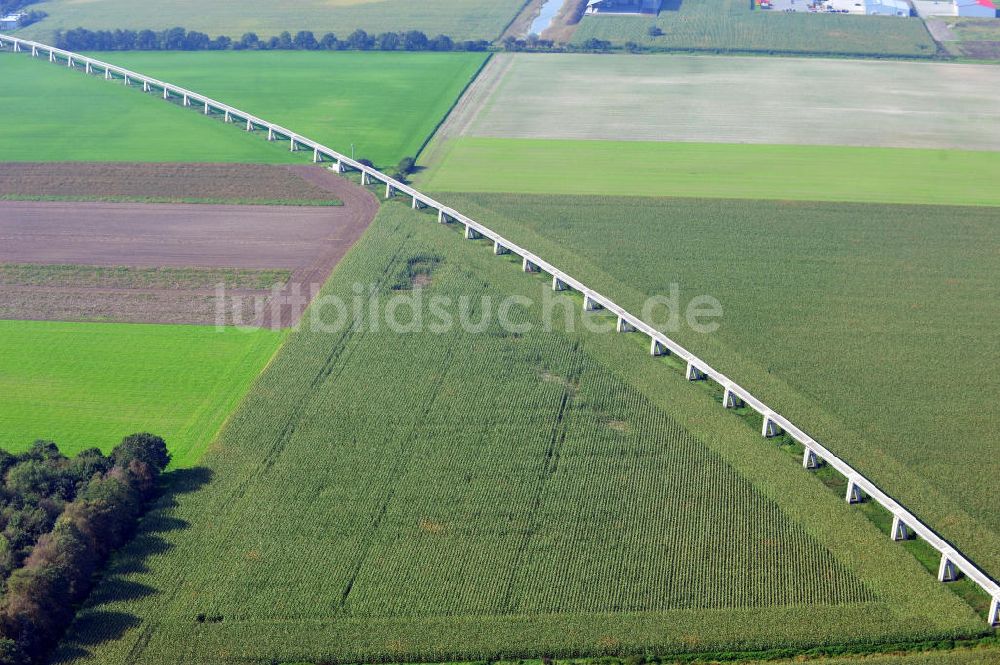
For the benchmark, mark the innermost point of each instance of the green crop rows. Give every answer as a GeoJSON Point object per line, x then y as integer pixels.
{"type": "Point", "coordinates": [90, 384]}
{"type": "Point", "coordinates": [870, 326]}
{"type": "Point", "coordinates": [444, 494]}
{"type": "Point", "coordinates": [730, 25]}
{"type": "Point", "coordinates": [396, 100]}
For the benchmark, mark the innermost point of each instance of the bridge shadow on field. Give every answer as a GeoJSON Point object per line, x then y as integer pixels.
{"type": "Point", "coordinates": [98, 621]}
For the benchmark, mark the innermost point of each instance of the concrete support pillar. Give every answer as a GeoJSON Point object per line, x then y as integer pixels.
{"type": "Point", "coordinates": [292, 145]}
{"type": "Point", "coordinates": [389, 191]}
{"type": "Point", "coordinates": [270, 134]}
{"type": "Point", "coordinates": [166, 93]}
{"type": "Point", "coordinates": [145, 86]}
{"type": "Point", "coordinates": [528, 266]}
{"type": "Point", "coordinates": [624, 326]}
{"type": "Point", "coordinates": [317, 158]}
{"type": "Point", "coordinates": [338, 167]}
{"type": "Point", "coordinates": [731, 400]}
{"type": "Point", "coordinates": [994, 614]}
{"type": "Point", "coordinates": [471, 233]}
{"type": "Point", "coordinates": [52, 56]}
{"type": "Point", "coordinates": [87, 68]}
{"type": "Point", "coordinates": [128, 82]}
{"type": "Point", "coordinates": [809, 460]}
{"type": "Point", "coordinates": [947, 571]}
{"type": "Point", "coordinates": [694, 374]}
{"type": "Point", "coordinates": [899, 529]}
{"type": "Point", "coordinates": [591, 305]}
{"type": "Point", "coordinates": [416, 204]}
{"type": "Point", "coordinates": [208, 109]}
{"type": "Point", "coordinates": [17, 47]}
{"type": "Point", "coordinates": [365, 180]}
{"type": "Point", "coordinates": [558, 284]}
{"type": "Point", "coordinates": [499, 249]}
{"type": "Point", "coordinates": [34, 51]}
{"type": "Point", "coordinates": [658, 348]}
{"type": "Point", "coordinates": [226, 117]}
{"type": "Point", "coordinates": [854, 493]}
{"type": "Point", "coordinates": [107, 74]}
{"type": "Point", "coordinates": [69, 61]}
{"type": "Point", "coordinates": [770, 428]}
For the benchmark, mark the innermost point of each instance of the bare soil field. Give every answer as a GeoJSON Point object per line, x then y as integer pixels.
{"type": "Point", "coordinates": [248, 248]}
{"type": "Point", "coordinates": [180, 183]}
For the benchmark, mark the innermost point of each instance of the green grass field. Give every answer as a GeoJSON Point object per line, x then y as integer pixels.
{"type": "Point", "coordinates": [89, 384]}
{"type": "Point", "coordinates": [460, 19]}
{"type": "Point", "coordinates": [716, 170]}
{"type": "Point", "coordinates": [511, 492]}
{"type": "Point", "coordinates": [870, 326]}
{"type": "Point", "coordinates": [386, 104]}
{"type": "Point", "coordinates": [59, 115]}
{"type": "Point", "coordinates": [730, 25]}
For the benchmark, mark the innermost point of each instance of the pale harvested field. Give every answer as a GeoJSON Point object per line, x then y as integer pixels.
{"type": "Point", "coordinates": [736, 100]}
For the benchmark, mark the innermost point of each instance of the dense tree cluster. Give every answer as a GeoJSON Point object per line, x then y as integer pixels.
{"type": "Point", "coordinates": [179, 39]}
{"type": "Point", "coordinates": [60, 520]}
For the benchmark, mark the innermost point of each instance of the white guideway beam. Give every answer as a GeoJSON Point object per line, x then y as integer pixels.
{"type": "Point", "coordinates": [953, 561]}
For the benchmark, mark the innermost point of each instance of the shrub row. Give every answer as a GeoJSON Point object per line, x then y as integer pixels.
{"type": "Point", "coordinates": [97, 500]}
{"type": "Point", "coordinates": [180, 39]}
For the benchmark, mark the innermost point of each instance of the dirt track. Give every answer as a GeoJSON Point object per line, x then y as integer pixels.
{"type": "Point", "coordinates": [309, 241]}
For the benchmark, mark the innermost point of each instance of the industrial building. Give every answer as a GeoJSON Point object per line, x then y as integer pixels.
{"type": "Point", "coordinates": [11, 21]}
{"type": "Point", "coordinates": [887, 8]}
{"type": "Point", "coordinates": [975, 8]}
{"type": "Point", "coordinates": [623, 6]}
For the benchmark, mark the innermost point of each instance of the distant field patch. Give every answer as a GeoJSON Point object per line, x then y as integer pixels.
{"type": "Point", "coordinates": [735, 100]}
{"type": "Point", "coordinates": [90, 384]}
{"type": "Point", "coordinates": [635, 168]}
{"type": "Point", "coordinates": [731, 25]}
{"type": "Point", "coordinates": [255, 184]}
{"type": "Point", "coordinates": [460, 19]}
{"type": "Point", "coordinates": [54, 114]}
{"type": "Point", "coordinates": [383, 104]}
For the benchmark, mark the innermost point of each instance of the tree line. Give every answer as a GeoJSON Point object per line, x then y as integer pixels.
{"type": "Point", "coordinates": [60, 519]}
{"type": "Point", "coordinates": [180, 39]}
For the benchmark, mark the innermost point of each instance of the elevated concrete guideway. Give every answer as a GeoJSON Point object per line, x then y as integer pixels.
{"type": "Point", "coordinates": [905, 524]}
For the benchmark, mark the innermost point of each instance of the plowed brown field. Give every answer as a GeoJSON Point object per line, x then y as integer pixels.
{"type": "Point", "coordinates": [236, 183]}
{"type": "Point", "coordinates": [239, 245]}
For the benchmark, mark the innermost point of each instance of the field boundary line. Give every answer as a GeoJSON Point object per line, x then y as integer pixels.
{"type": "Point", "coordinates": [905, 524]}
